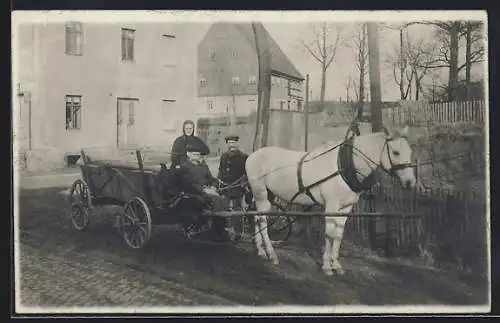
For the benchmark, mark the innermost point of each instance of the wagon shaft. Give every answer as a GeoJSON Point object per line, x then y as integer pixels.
{"type": "Point", "coordinates": [313, 214]}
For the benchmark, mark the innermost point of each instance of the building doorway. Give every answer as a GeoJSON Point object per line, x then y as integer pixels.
{"type": "Point", "coordinates": [126, 122]}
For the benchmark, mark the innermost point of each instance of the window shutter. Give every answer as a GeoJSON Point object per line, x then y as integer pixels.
{"type": "Point", "coordinates": [130, 48]}
{"type": "Point", "coordinates": [131, 106]}
{"type": "Point", "coordinates": [67, 34]}
{"type": "Point", "coordinates": [124, 49]}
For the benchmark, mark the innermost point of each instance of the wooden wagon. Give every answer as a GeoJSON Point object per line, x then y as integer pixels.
{"type": "Point", "coordinates": [139, 191]}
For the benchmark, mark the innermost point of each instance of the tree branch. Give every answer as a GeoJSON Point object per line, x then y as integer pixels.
{"type": "Point", "coordinates": [311, 52]}
{"type": "Point", "coordinates": [395, 75]}
{"type": "Point", "coordinates": [334, 50]}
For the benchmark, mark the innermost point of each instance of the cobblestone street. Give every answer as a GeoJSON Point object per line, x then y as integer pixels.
{"type": "Point", "coordinates": [64, 278]}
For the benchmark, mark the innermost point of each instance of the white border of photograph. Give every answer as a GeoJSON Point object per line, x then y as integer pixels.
{"type": "Point", "coordinates": [47, 17]}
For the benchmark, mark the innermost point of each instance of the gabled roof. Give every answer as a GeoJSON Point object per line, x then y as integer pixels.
{"type": "Point", "coordinates": [279, 61]}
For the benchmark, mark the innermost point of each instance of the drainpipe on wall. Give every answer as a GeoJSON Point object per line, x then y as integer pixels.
{"type": "Point", "coordinates": [28, 97]}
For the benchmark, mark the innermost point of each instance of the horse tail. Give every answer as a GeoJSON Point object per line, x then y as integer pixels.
{"type": "Point", "coordinates": [257, 178]}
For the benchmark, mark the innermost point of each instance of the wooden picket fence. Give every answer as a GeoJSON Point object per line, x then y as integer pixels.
{"type": "Point", "coordinates": [451, 230]}
{"type": "Point", "coordinates": [422, 113]}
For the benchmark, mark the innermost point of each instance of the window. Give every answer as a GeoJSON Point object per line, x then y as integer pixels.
{"type": "Point", "coordinates": [203, 82]}
{"type": "Point", "coordinates": [168, 113]}
{"type": "Point", "coordinates": [252, 80]}
{"type": "Point", "coordinates": [128, 36]}
{"type": "Point", "coordinates": [299, 105]}
{"type": "Point", "coordinates": [73, 111]}
{"type": "Point", "coordinates": [234, 54]}
{"type": "Point", "coordinates": [212, 57]}
{"type": "Point", "coordinates": [74, 38]}
{"type": "Point", "coordinates": [210, 105]}
{"type": "Point", "coordinates": [236, 80]}
{"type": "Point", "coordinates": [169, 50]}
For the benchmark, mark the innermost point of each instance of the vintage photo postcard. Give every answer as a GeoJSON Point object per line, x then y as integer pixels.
{"type": "Point", "coordinates": [251, 162]}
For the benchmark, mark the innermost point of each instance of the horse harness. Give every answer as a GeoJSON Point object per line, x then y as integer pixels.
{"type": "Point", "coordinates": [346, 169]}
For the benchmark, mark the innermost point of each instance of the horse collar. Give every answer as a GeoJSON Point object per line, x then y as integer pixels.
{"type": "Point", "coordinates": [348, 171]}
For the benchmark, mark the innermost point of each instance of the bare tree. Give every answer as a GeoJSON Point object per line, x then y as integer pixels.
{"type": "Point", "coordinates": [360, 46]}
{"type": "Point", "coordinates": [433, 87]}
{"type": "Point", "coordinates": [398, 62]}
{"type": "Point", "coordinates": [449, 34]}
{"type": "Point", "coordinates": [420, 57]}
{"type": "Point", "coordinates": [474, 49]}
{"type": "Point", "coordinates": [324, 49]}
{"type": "Point", "coordinates": [348, 88]}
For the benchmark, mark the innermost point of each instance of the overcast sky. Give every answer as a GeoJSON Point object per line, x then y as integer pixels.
{"type": "Point", "coordinates": [289, 36]}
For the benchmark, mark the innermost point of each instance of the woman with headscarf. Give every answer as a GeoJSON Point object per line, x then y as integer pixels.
{"type": "Point", "coordinates": [178, 153]}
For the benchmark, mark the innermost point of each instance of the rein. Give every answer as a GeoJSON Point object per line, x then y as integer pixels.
{"type": "Point", "coordinates": [306, 189]}
{"type": "Point", "coordinates": [394, 167]}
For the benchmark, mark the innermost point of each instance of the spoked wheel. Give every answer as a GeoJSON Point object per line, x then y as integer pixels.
{"type": "Point", "coordinates": [279, 228]}
{"type": "Point", "coordinates": [80, 204]}
{"type": "Point", "coordinates": [241, 227]}
{"type": "Point", "coordinates": [136, 223]}
{"type": "Point", "coordinates": [316, 232]}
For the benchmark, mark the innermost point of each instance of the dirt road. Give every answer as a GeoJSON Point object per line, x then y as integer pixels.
{"type": "Point", "coordinates": [61, 267]}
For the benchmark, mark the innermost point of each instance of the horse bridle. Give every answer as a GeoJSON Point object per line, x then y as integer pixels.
{"type": "Point", "coordinates": [394, 167]}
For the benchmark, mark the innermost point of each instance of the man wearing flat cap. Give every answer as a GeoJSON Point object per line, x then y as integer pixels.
{"type": "Point", "coordinates": [195, 178]}
{"type": "Point", "coordinates": [232, 169]}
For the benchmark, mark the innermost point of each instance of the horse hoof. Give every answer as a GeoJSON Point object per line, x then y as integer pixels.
{"type": "Point", "coordinates": [276, 262]}
{"type": "Point", "coordinates": [340, 271]}
{"type": "Point", "coordinates": [328, 272]}
{"type": "Point", "coordinates": [261, 254]}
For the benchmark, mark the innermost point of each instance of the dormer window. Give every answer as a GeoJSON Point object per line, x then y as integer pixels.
{"type": "Point", "coordinates": [236, 80]}
{"type": "Point", "coordinates": [203, 82]}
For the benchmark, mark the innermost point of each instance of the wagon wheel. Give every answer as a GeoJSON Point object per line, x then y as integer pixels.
{"type": "Point", "coordinates": [279, 228]}
{"type": "Point", "coordinates": [136, 223]}
{"type": "Point", "coordinates": [80, 204]}
{"type": "Point", "coordinates": [237, 224]}
{"type": "Point", "coordinates": [315, 232]}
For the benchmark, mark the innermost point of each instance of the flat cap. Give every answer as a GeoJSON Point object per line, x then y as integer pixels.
{"type": "Point", "coordinates": [193, 148]}
{"type": "Point", "coordinates": [232, 138]}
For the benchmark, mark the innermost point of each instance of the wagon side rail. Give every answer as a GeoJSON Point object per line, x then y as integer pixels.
{"type": "Point", "coordinates": [109, 184]}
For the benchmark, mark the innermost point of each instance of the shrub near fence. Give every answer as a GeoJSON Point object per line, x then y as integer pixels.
{"type": "Point", "coordinates": [450, 232]}
{"type": "Point", "coordinates": [421, 113]}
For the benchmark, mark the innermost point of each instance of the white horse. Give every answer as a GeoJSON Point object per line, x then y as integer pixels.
{"type": "Point", "coordinates": [333, 176]}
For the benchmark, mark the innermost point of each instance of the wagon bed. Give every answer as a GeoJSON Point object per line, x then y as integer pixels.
{"type": "Point", "coordinates": [137, 189]}
{"type": "Point", "coordinates": [115, 183]}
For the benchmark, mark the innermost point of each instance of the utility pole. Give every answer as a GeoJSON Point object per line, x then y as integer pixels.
{"type": "Point", "coordinates": [374, 66]}
{"type": "Point", "coordinates": [306, 113]}
{"type": "Point", "coordinates": [263, 59]}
